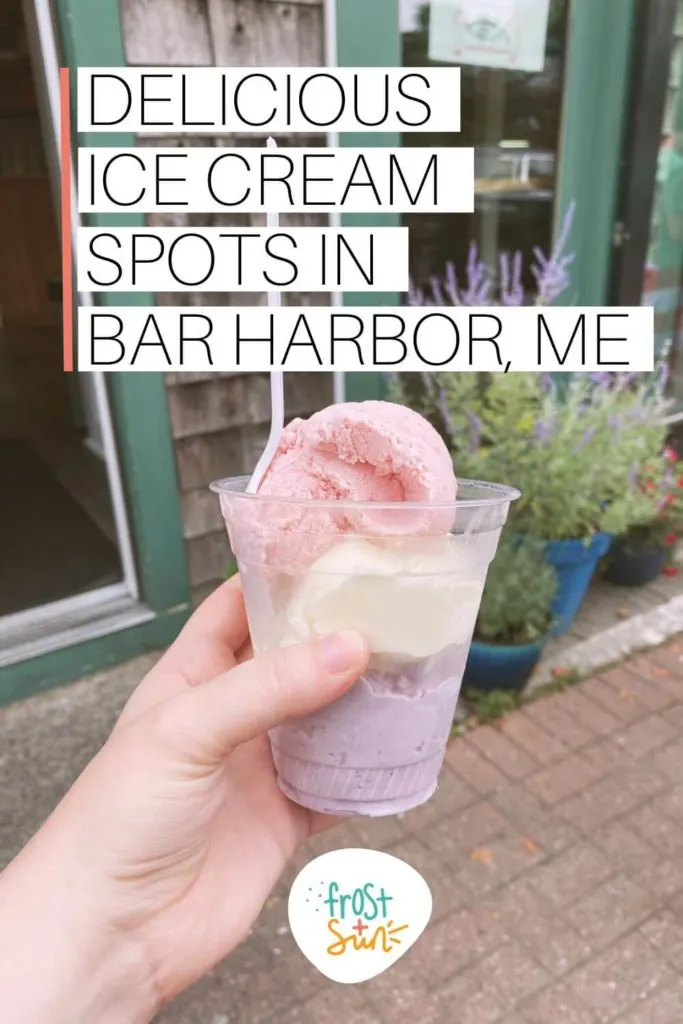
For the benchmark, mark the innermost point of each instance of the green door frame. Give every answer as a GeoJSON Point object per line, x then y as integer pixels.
{"type": "Point", "coordinates": [601, 38]}
{"type": "Point", "coordinates": [591, 138]}
{"type": "Point", "coordinates": [91, 36]}
{"type": "Point", "coordinates": [368, 36]}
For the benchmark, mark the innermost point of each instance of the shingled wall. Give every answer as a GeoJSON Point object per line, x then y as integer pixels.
{"type": "Point", "coordinates": [219, 420]}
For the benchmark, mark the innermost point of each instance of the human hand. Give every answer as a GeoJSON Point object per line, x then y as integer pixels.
{"type": "Point", "coordinates": [162, 854]}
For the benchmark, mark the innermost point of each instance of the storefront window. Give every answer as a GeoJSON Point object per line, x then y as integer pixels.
{"type": "Point", "coordinates": [511, 116]}
{"type": "Point", "coordinates": [664, 270]}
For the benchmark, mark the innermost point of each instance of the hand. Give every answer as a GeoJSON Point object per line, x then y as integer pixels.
{"type": "Point", "coordinates": [162, 854]}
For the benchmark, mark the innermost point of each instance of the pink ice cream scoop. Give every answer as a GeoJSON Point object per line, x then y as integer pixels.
{"type": "Point", "coordinates": [373, 452]}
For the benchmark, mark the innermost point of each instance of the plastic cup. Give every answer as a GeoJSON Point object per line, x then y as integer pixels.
{"type": "Point", "coordinates": [409, 576]}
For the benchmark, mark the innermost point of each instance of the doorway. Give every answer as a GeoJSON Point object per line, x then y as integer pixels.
{"type": "Point", "coordinates": [58, 529]}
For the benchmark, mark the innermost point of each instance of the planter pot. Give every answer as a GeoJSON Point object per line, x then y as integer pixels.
{"type": "Point", "coordinates": [634, 567]}
{"type": "Point", "coordinates": [501, 666]}
{"type": "Point", "coordinates": [575, 564]}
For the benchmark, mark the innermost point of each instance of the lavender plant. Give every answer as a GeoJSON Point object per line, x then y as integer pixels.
{"type": "Point", "coordinates": [576, 453]}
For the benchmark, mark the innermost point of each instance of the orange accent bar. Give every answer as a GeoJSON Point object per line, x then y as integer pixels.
{"type": "Point", "coordinates": [67, 245]}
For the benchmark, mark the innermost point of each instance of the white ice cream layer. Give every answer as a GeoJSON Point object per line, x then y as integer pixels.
{"type": "Point", "coordinates": [410, 600]}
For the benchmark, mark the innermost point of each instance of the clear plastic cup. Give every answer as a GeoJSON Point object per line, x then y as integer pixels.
{"type": "Point", "coordinates": [409, 576]}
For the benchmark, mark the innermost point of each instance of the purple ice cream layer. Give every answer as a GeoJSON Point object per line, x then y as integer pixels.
{"type": "Point", "coordinates": [380, 747]}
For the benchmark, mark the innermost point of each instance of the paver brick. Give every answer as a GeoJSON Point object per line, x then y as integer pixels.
{"type": "Point", "coordinates": [516, 974]}
{"type": "Point", "coordinates": [663, 876]}
{"type": "Point", "coordinates": [452, 794]}
{"type": "Point", "coordinates": [612, 909]}
{"type": "Point", "coordinates": [502, 752]}
{"type": "Point", "coordinates": [645, 689]}
{"type": "Point", "coordinates": [348, 1004]}
{"type": "Point", "coordinates": [669, 761]}
{"type": "Point", "coordinates": [644, 736]}
{"type": "Point", "coordinates": [377, 833]}
{"type": "Point", "coordinates": [591, 714]}
{"type": "Point", "coordinates": [619, 701]}
{"type": "Point", "coordinates": [473, 768]}
{"type": "Point", "coordinates": [539, 744]}
{"type": "Point", "coordinates": [623, 975]}
{"type": "Point", "coordinates": [664, 932]}
{"type": "Point", "coordinates": [674, 715]}
{"type": "Point", "coordinates": [665, 1006]}
{"type": "Point", "coordinates": [652, 825]}
{"type": "Point", "coordinates": [555, 717]}
{"type": "Point", "coordinates": [458, 836]}
{"type": "Point", "coordinates": [563, 779]}
{"type": "Point", "coordinates": [621, 845]}
{"type": "Point", "coordinates": [571, 874]}
{"type": "Point", "coordinates": [472, 997]}
{"type": "Point", "coordinates": [559, 1005]}
{"type": "Point", "coordinates": [498, 863]}
{"type": "Point", "coordinates": [671, 803]}
{"type": "Point", "coordinates": [557, 946]}
{"type": "Point", "coordinates": [598, 804]}
{"type": "Point", "coordinates": [663, 668]}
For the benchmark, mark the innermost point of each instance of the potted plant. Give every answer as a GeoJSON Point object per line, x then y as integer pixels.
{"type": "Point", "coordinates": [646, 549]}
{"type": "Point", "coordinates": [575, 448]}
{"type": "Point", "coordinates": [514, 619]}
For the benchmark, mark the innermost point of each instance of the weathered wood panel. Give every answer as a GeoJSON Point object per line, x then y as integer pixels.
{"type": "Point", "coordinates": [220, 420]}
{"type": "Point", "coordinates": [206, 457]}
{"type": "Point", "coordinates": [201, 513]}
{"type": "Point", "coordinates": [208, 557]}
{"type": "Point", "coordinates": [207, 406]}
{"type": "Point", "coordinates": [251, 33]}
{"type": "Point", "coordinates": [166, 32]}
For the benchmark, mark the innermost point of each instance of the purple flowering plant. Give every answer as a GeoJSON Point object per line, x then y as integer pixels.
{"type": "Point", "coordinates": [577, 451]}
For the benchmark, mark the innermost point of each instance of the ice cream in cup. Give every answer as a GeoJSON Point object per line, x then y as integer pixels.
{"type": "Point", "coordinates": [360, 523]}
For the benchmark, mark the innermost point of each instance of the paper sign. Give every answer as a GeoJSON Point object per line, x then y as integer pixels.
{"type": "Point", "coordinates": [489, 33]}
{"type": "Point", "coordinates": [354, 913]}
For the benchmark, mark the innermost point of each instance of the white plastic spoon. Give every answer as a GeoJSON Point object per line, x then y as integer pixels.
{"type": "Point", "coordinates": [277, 388]}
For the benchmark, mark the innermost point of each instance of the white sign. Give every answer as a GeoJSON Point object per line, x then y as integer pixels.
{"type": "Point", "coordinates": [354, 913]}
{"type": "Point", "coordinates": [489, 33]}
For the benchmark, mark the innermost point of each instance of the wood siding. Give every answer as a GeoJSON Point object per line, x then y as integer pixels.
{"type": "Point", "coordinates": [220, 421]}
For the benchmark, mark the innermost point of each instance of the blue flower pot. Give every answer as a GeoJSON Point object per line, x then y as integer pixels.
{"type": "Point", "coordinates": [500, 666]}
{"type": "Point", "coordinates": [634, 567]}
{"type": "Point", "coordinates": [575, 563]}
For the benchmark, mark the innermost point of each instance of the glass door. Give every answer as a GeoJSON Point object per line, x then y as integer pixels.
{"type": "Point", "coordinates": [512, 58]}
{"type": "Point", "coordinates": [64, 539]}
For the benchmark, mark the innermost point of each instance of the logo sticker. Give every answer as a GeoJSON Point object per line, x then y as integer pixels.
{"type": "Point", "coordinates": [354, 913]}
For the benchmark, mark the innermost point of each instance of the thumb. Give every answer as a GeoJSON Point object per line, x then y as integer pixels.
{"type": "Point", "coordinates": [205, 723]}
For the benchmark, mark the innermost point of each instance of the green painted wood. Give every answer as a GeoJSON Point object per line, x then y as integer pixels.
{"type": "Point", "coordinates": [91, 36]}
{"type": "Point", "coordinates": [595, 104]}
{"type": "Point", "coordinates": [368, 36]}
{"type": "Point", "coordinates": [49, 670]}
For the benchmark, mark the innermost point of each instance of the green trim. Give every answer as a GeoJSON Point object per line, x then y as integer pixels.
{"type": "Point", "coordinates": [92, 38]}
{"type": "Point", "coordinates": [368, 35]}
{"type": "Point", "coordinates": [49, 670]}
{"type": "Point", "coordinates": [595, 103]}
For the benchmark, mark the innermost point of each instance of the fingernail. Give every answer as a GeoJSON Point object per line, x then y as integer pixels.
{"type": "Point", "coordinates": [341, 651]}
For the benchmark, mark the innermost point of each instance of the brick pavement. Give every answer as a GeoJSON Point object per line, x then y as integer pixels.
{"type": "Point", "coordinates": [554, 850]}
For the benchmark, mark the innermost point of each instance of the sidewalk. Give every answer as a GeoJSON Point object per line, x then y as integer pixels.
{"type": "Point", "coordinates": [554, 850]}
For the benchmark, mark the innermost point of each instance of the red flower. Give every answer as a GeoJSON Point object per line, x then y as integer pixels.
{"type": "Point", "coordinates": [671, 455]}
{"type": "Point", "coordinates": [670, 570]}
{"type": "Point", "coordinates": [679, 482]}
{"type": "Point", "coordinates": [671, 538]}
